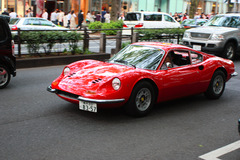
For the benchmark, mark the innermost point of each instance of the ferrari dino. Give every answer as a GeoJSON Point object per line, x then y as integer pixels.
{"type": "Point", "coordinates": [141, 75]}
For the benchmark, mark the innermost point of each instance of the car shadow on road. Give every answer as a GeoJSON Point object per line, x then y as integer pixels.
{"type": "Point", "coordinates": [115, 115]}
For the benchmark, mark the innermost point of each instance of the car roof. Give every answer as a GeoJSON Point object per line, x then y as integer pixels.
{"type": "Point", "coordinates": [161, 45]}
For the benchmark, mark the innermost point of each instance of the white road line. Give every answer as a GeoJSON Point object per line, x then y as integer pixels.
{"type": "Point", "coordinates": [221, 151]}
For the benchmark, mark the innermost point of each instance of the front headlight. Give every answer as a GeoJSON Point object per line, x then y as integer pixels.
{"type": "Point", "coordinates": [116, 84]}
{"type": "Point", "coordinates": [217, 37]}
{"type": "Point", "coordinates": [66, 71]}
{"type": "Point", "coordinates": [186, 35]}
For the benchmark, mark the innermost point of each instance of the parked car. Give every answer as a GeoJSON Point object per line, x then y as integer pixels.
{"type": "Point", "coordinates": [193, 23]}
{"type": "Point", "coordinates": [32, 23]}
{"type": "Point", "coordinates": [7, 57]}
{"type": "Point", "coordinates": [149, 20]}
{"type": "Point", "coordinates": [220, 36]}
{"type": "Point", "coordinates": [142, 74]}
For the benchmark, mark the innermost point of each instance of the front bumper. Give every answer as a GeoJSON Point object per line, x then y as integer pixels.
{"type": "Point", "coordinates": [80, 98]}
{"type": "Point", "coordinates": [206, 45]}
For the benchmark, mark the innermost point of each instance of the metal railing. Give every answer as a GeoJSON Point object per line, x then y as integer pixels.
{"type": "Point", "coordinates": [102, 37]}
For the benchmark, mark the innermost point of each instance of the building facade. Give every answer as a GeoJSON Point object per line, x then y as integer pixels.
{"type": "Point", "coordinates": [169, 6]}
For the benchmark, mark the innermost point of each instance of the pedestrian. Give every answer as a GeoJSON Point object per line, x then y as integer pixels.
{"type": "Point", "coordinates": [88, 17]}
{"type": "Point", "coordinates": [65, 20]}
{"type": "Point", "coordinates": [69, 18]}
{"type": "Point", "coordinates": [103, 13]}
{"type": "Point", "coordinates": [53, 17]}
{"type": "Point", "coordinates": [72, 20]}
{"type": "Point", "coordinates": [60, 17]}
{"type": "Point", "coordinates": [80, 19]}
{"type": "Point", "coordinates": [5, 12]}
{"type": "Point", "coordinates": [45, 14]}
{"type": "Point", "coordinates": [30, 12]}
{"type": "Point", "coordinates": [93, 18]}
{"type": "Point", "coordinates": [107, 17]}
{"type": "Point", "coordinates": [12, 14]}
{"type": "Point", "coordinates": [98, 16]}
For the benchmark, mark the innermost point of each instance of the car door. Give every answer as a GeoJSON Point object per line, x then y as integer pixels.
{"type": "Point", "coordinates": [47, 25]}
{"type": "Point", "coordinates": [169, 22]}
{"type": "Point", "coordinates": [182, 78]}
{"type": "Point", "coordinates": [153, 20]}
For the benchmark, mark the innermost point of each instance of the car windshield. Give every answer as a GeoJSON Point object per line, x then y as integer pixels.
{"type": "Point", "coordinates": [14, 20]}
{"type": "Point", "coordinates": [224, 21]}
{"type": "Point", "coordinates": [139, 57]}
{"type": "Point", "coordinates": [188, 22]}
{"type": "Point", "coordinates": [133, 17]}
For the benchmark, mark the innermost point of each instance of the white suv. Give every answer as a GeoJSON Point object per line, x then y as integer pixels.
{"type": "Point", "coordinates": [220, 35]}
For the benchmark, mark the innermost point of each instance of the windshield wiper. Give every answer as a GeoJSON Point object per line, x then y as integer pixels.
{"type": "Point", "coordinates": [125, 62]}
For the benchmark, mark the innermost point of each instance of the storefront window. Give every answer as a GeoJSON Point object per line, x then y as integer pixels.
{"type": "Point", "coordinates": [11, 5]}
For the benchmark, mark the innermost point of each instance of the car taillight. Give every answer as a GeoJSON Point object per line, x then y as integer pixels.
{"type": "Point", "coordinates": [14, 28]}
{"type": "Point", "coordinates": [139, 25]}
{"type": "Point", "coordinates": [125, 26]}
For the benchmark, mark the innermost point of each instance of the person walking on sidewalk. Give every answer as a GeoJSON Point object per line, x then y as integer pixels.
{"type": "Point", "coordinates": [80, 19]}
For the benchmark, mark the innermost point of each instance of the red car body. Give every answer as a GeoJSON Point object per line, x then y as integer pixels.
{"type": "Point", "coordinates": [91, 80]}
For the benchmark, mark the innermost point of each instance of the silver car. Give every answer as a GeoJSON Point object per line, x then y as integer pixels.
{"type": "Point", "coordinates": [32, 23]}
{"type": "Point", "coordinates": [220, 35]}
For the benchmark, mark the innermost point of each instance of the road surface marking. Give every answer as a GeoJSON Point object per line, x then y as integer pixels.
{"type": "Point", "coordinates": [221, 151]}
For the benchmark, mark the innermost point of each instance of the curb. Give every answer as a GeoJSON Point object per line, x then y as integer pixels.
{"type": "Point", "coordinates": [58, 60]}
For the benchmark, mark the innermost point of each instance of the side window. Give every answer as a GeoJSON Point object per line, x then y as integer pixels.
{"type": "Point", "coordinates": [3, 33]}
{"type": "Point", "coordinates": [168, 18]}
{"type": "Point", "coordinates": [31, 22]}
{"type": "Point", "coordinates": [152, 17]}
{"type": "Point", "coordinates": [45, 23]}
{"type": "Point", "coordinates": [176, 58]}
{"type": "Point", "coordinates": [196, 58]}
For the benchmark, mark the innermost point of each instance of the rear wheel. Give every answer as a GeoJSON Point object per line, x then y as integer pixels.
{"type": "Point", "coordinates": [141, 100]}
{"type": "Point", "coordinates": [229, 51]}
{"type": "Point", "coordinates": [216, 86]}
{"type": "Point", "coordinates": [4, 76]}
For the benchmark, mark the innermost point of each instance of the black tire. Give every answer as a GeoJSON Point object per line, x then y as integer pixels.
{"type": "Point", "coordinates": [216, 86]}
{"type": "Point", "coordinates": [229, 51]}
{"type": "Point", "coordinates": [141, 101]}
{"type": "Point", "coordinates": [5, 76]}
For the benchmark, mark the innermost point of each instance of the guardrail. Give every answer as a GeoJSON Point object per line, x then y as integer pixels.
{"type": "Point", "coordinates": [133, 37]}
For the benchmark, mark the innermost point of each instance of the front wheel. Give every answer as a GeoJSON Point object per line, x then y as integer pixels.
{"type": "Point", "coordinates": [229, 51]}
{"type": "Point", "coordinates": [141, 100]}
{"type": "Point", "coordinates": [4, 76]}
{"type": "Point", "coordinates": [216, 86]}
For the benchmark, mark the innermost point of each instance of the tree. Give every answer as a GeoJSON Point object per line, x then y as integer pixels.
{"type": "Point", "coordinates": [115, 9]}
{"type": "Point", "coordinates": [193, 8]}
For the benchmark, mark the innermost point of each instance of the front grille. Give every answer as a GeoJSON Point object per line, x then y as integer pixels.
{"type": "Point", "coordinates": [67, 94]}
{"type": "Point", "coordinates": [200, 35]}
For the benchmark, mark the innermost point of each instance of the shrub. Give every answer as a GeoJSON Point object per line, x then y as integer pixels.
{"type": "Point", "coordinates": [159, 33]}
{"type": "Point", "coordinates": [95, 25]}
{"type": "Point", "coordinates": [47, 39]}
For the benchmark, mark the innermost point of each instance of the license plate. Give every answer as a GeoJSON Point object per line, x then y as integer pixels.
{"type": "Point", "coordinates": [88, 106]}
{"type": "Point", "coordinates": [197, 47]}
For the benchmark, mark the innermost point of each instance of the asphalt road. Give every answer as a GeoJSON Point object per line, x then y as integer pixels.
{"type": "Point", "coordinates": [37, 125]}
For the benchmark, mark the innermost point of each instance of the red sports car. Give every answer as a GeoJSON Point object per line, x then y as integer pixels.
{"type": "Point", "coordinates": [141, 75]}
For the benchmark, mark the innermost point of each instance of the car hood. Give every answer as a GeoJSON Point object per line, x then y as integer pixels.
{"type": "Point", "coordinates": [92, 76]}
{"type": "Point", "coordinates": [212, 30]}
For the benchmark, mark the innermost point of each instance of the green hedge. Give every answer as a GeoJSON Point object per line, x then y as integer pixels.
{"type": "Point", "coordinates": [47, 39]}
{"type": "Point", "coordinates": [111, 25]}
{"type": "Point", "coordinates": [148, 34]}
